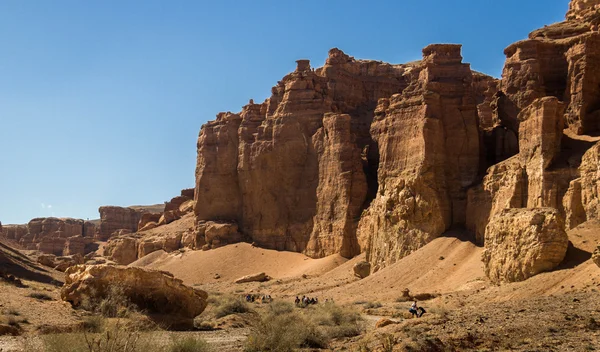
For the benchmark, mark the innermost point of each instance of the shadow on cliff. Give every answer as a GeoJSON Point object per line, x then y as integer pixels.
{"type": "Point", "coordinates": [15, 263]}
{"type": "Point", "coordinates": [461, 234]}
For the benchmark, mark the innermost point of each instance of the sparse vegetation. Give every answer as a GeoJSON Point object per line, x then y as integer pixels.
{"type": "Point", "coordinates": [205, 326]}
{"type": "Point", "coordinates": [282, 329]}
{"type": "Point", "coordinates": [93, 324]}
{"type": "Point", "coordinates": [388, 341]}
{"type": "Point", "coordinates": [41, 296]}
{"type": "Point", "coordinates": [113, 335]}
{"type": "Point", "coordinates": [189, 344]}
{"type": "Point", "coordinates": [231, 306]}
{"type": "Point", "coordinates": [114, 304]}
{"type": "Point", "coordinates": [372, 305]}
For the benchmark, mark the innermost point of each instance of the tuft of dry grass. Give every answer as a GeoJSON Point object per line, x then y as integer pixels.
{"type": "Point", "coordinates": [41, 296]}
{"type": "Point", "coordinates": [285, 329]}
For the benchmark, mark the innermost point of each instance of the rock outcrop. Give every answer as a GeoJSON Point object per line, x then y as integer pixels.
{"type": "Point", "coordinates": [166, 299]}
{"type": "Point", "coordinates": [428, 143]}
{"type": "Point", "coordinates": [146, 219]}
{"type": "Point", "coordinates": [114, 218]}
{"type": "Point", "coordinates": [58, 236]}
{"type": "Point", "coordinates": [127, 248]}
{"type": "Point", "coordinates": [581, 9]}
{"type": "Point", "coordinates": [122, 249]}
{"type": "Point", "coordinates": [523, 181]}
{"type": "Point", "coordinates": [596, 256]}
{"type": "Point", "coordinates": [520, 243]}
{"type": "Point", "coordinates": [362, 269]}
{"type": "Point", "coordinates": [297, 171]}
{"type": "Point", "coordinates": [60, 263]}
{"type": "Point", "coordinates": [216, 234]}
{"type": "Point", "coordinates": [258, 277]}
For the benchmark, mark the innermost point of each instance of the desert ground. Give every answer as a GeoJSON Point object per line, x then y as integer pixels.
{"type": "Point", "coordinates": [554, 311]}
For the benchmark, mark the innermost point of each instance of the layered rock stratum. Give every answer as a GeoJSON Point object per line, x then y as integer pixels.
{"type": "Point", "coordinates": [364, 156]}
{"type": "Point", "coordinates": [58, 236]}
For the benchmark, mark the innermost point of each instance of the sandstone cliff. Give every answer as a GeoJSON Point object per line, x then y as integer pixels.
{"type": "Point", "coordinates": [297, 171]}
{"type": "Point", "coordinates": [365, 156]}
{"type": "Point", "coordinates": [58, 236]}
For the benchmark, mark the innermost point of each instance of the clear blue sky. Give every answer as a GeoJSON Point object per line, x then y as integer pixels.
{"type": "Point", "coordinates": [101, 102]}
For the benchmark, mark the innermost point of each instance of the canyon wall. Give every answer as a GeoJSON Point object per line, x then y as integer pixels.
{"type": "Point", "coordinates": [352, 137]}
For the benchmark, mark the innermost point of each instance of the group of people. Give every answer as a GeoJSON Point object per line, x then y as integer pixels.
{"type": "Point", "coordinates": [252, 298]}
{"type": "Point", "coordinates": [304, 301]}
{"type": "Point", "coordinates": [417, 311]}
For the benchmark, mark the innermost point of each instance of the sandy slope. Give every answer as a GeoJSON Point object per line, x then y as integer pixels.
{"type": "Point", "coordinates": [234, 261]}
{"type": "Point", "coordinates": [448, 266]}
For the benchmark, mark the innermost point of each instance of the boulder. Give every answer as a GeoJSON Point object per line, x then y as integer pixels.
{"type": "Point", "coordinates": [148, 218]}
{"type": "Point", "coordinates": [186, 207]}
{"type": "Point", "coordinates": [175, 203]}
{"type": "Point", "coordinates": [520, 243]}
{"type": "Point", "coordinates": [218, 234]}
{"type": "Point", "coordinates": [165, 299]}
{"type": "Point", "coordinates": [122, 250]}
{"type": "Point", "coordinates": [582, 200]}
{"type": "Point", "coordinates": [47, 260]}
{"type": "Point", "coordinates": [259, 277]}
{"type": "Point", "coordinates": [149, 226]}
{"type": "Point", "coordinates": [362, 269]}
{"type": "Point", "coordinates": [168, 217]}
{"type": "Point", "coordinates": [64, 262]}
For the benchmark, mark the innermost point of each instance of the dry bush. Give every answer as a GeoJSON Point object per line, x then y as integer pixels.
{"type": "Point", "coordinates": [231, 306]}
{"type": "Point", "coordinates": [114, 304]}
{"type": "Point", "coordinates": [426, 344]}
{"type": "Point", "coordinates": [282, 329]}
{"type": "Point", "coordinates": [388, 341]}
{"type": "Point", "coordinates": [283, 333]}
{"type": "Point", "coordinates": [205, 325]}
{"type": "Point", "coordinates": [111, 335]}
{"type": "Point", "coordinates": [372, 305]}
{"type": "Point", "coordinates": [93, 324]}
{"type": "Point", "coordinates": [41, 296]}
{"type": "Point", "coordinates": [111, 338]}
{"type": "Point", "coordinates": [280, 307]}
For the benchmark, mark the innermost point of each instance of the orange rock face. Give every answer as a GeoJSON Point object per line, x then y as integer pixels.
{"type": "Point", "coordinates": [297, 171]}
{"type": "Point", "coordinates": [428, 143]}
{"type": "Point", "coordinates": [56, 236]}
{"type": "Point", "coordinates": [116, 218]}
{"type": "Point", "coordinates": [267, 168]}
